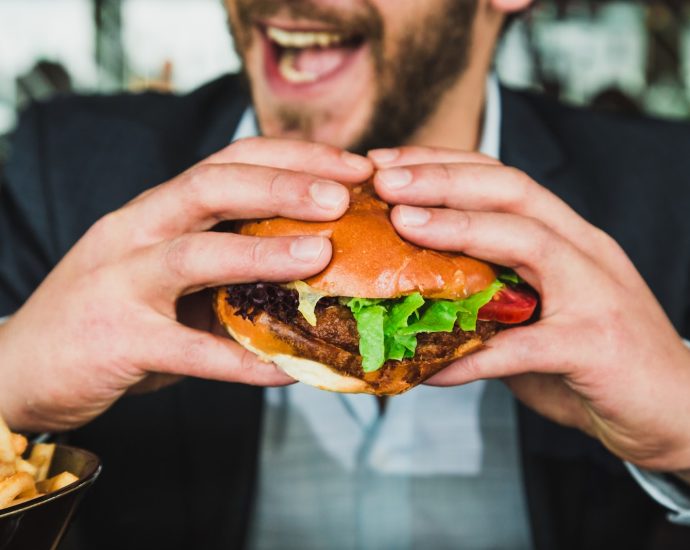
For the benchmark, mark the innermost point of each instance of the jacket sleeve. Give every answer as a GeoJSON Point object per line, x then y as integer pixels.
{"type": "Point", "coordinates": [671, 493]}
{"type": "Point", "coordinates": [27, 249]}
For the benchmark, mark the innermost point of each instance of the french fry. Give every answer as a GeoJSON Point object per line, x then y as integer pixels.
{"type": "Point", "coordinates": [13, 487]}
{"type": "Point", "coordinates": [22, 480]}
{"type": "Point", "coordinates": [20, 443]}
{"type": "Point", "coordinates": [7, 453]}
{"type": "Point", "coordinates": [41, 457]}
{"type": "Point", "coordinates": [30, 493]}
{"type": "Point", "coordinates": [56, 483]}
{"type": "Point", "coordinates": [7, 470]}
{"type": "Point", "coordinates": [22, 465]}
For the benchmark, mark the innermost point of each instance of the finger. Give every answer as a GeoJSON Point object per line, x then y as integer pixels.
{"type": "Point", "coordinates": [186, 352]}
{"type": "Point", "coordinates": [207, 194]}
{"type": "Point", "coordinates": [482, 187]}
{"type": "Point", "coordinates": [526, 245]}
{"type": "Point", "coordinates": [197, 260]}
{"type": "Point", "coordinates": [495, 188]}
{"type": "Point", "coordinates": [512, 352]}
{"type": "Point", "coordinates": [324, 161]}
{"type": "Point", "coordinates": [523, 358]}
{"type": "Point", "coordinates": [411, 155]}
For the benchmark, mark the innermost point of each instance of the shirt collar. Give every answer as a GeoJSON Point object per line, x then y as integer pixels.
{"type": "Point", "coordinates": [489, 144]}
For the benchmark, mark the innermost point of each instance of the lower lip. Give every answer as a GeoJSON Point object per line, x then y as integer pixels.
{"type": "Point", "coordinates": [282, 87]}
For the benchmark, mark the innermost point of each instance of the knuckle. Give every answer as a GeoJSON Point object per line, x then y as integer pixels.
{"type": "Point", "coordinates": [247, 368]}
{"type": "Point", "coordinates": [462, 222]}
{"type": "Point", "coordinates": [519, 191]}
{"type": "Point", "coordinates": [314, 148]}
{"type": "Point", "coordinates": [247, 362]}
{"type": "Point", "coordinates": [194, 354]}
{"type": "Point", "coordinates": [471, 366]}
{"type": "Point", "coordinates": [605, 246]}
{"type": "Point", "coordinates": [197, 188]}
{"type": "Point", "coordinates": [282, 188]}
{"type": "Point", "coordinates": [197, 179]}
{"type": "Point", "coordinates": [607, 242]}
{"type": "Point", "coordinates": [247, 145]}
{"type": "Point", "coordinates": [103, 240]}
{"type": "Point", "coordinates": [483, 158]}
{"type": "Point", "coordinates": [274, 185]}
{"type": "Point", "coordinates": [258, 251]}
{"type": "Point", "coordinates": [177, 256]}
{"type": "Point", "coordinates": [192, 185]}
{"type": "Point", "coordinates": [106, 225]}
{"type": "Point", "coordinates": [317, 151]}
{"type": "Point", "coordinates": [443, 173]}
{"type": "Point", "coordinates": [541, 241]}
{"type": "Point", "coordinates": [408, 150]}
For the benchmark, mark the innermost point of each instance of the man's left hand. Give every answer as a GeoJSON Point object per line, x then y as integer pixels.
{"type": "Point", "coordinates": [603, 356]}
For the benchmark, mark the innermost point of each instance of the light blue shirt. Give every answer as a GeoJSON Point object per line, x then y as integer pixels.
{"type": "Point", "coordinates": [439, 469]}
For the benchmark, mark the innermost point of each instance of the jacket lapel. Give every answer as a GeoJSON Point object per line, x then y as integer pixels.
{"type": "Point", "coordinates": [222, 116]}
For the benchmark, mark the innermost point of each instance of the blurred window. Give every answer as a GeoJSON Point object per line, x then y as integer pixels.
{"type": "Point", "coordinates": [184, 41]}
{"type": "Point", "coordinates": [61, 31]}
{"type": "Point", "coordinates": [621, 55]}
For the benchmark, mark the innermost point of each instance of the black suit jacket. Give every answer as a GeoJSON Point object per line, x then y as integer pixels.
{"type": "Point", "coordinates": [180, 464]}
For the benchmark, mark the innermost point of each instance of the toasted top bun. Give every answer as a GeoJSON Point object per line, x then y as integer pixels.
{"type": "Point", "coordinates": [370, 260]}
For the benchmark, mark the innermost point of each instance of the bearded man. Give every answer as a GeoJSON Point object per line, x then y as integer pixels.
{"type": "Point", "coordinates": [107, 255]}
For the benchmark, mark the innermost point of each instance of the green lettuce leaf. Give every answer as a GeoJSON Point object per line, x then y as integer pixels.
{"type": "Point", "coordinates": [371, 337]}
{"type": "Point", "coordinates": [388, 328]}
{"type": "Point", "coordinates": [398, 344]}
{"type": "Point", "coordinates": [358, 304]}
{"type": "Point", "coordinates": [509, 276]}
{"type": "Point", "coordinates": [467, 317]}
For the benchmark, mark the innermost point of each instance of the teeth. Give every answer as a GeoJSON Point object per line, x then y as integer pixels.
{"type": "Point", "coordinates": [288, 71]}
{"type": "Point", "coordinates": [303, 39]}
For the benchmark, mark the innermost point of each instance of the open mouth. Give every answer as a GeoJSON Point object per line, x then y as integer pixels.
{"type": "Point", "coordinates": [299, 57]}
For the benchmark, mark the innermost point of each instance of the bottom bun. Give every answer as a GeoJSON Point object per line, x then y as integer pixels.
{"type": "Point", "coordinates": [307, 371]}
{"type": "Point", "coordinates": [324, 365]}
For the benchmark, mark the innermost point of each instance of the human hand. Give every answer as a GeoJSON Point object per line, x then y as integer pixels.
{"type": "Point", "coordinates": [603, 357]}
{"type": "Point", "coordinates": [107, 318]}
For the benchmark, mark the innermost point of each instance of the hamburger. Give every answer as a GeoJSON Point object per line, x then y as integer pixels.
{"type": "Point", "coordinates": [383, 316]}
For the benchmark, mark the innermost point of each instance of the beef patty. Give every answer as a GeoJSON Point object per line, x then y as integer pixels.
{"type": "Point", "coordinates": [335, 339]}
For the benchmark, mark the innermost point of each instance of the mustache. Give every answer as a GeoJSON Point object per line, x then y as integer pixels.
{"type": "Point", "coordinates": [363, 22]}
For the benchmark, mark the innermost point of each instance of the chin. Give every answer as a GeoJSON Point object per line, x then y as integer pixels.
{"type": "Point", "coordinates": [324, 126]}
{"type": "Point", "coordinates": [334, 107]}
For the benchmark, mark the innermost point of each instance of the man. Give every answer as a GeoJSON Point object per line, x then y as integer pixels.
{"type": "Point", "coordinates": [125, 311]}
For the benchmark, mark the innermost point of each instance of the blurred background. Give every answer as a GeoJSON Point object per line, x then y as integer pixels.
{"type": "Point", "coordinates": [623, 56]}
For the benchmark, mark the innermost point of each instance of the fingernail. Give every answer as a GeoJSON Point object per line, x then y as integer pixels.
{"type": "Point", "coordinates": [412, 216]}
{"type": "Point", "coordinates": [383, 156]}
{"type": "Point", "coordinates": [307, 249]}
{"type": "Point", "coordinates": [357, 162]}
{"type": "Point", "coordinates": [328, 194]}
{"type": "Point", "coordinates": [395, 178]}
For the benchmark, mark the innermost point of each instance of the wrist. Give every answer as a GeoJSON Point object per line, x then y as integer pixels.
{"type": "Point", "coordinates": [10, 397]}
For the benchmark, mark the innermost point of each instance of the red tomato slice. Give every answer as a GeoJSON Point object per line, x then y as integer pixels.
{"type": "Point", "coordinates": [509, 305]}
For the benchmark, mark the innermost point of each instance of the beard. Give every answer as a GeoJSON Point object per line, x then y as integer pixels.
{"type": "Point", "coordinates": [427, 59]}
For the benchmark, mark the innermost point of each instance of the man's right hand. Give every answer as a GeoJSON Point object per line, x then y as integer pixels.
{"type": "Point", "coordinates": [110, 316]}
